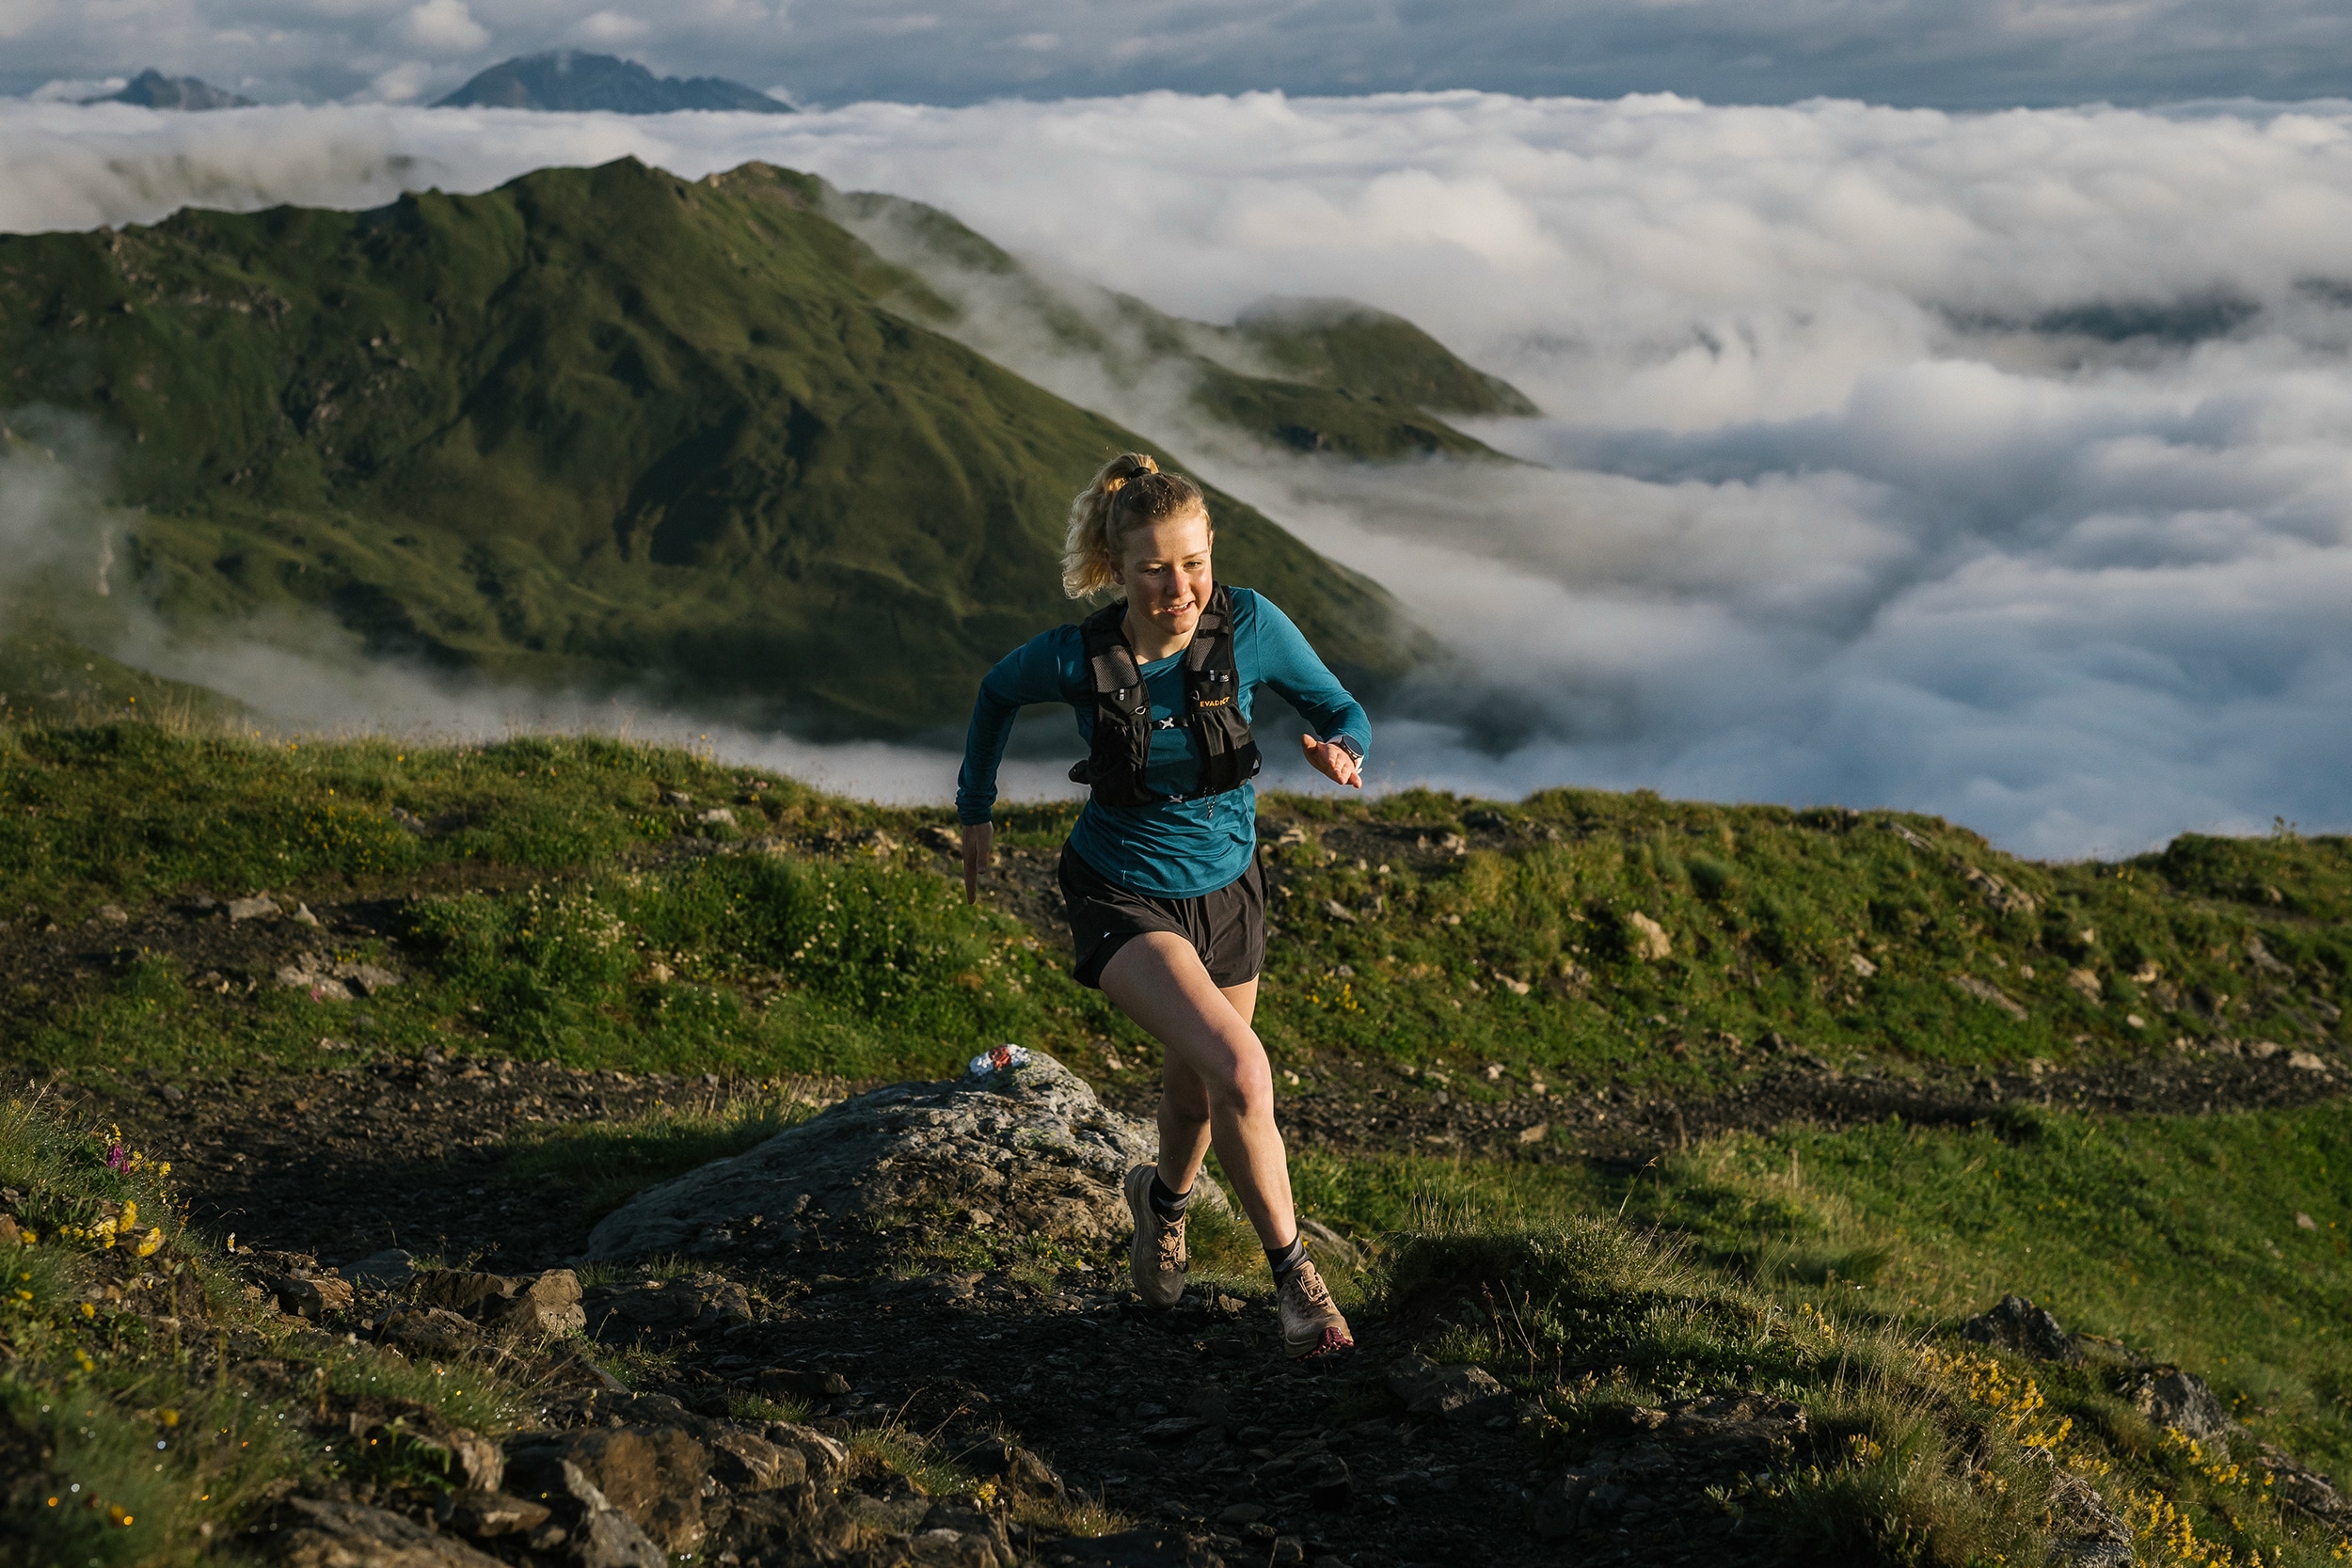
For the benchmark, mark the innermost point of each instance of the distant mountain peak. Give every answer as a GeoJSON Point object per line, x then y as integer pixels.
{"type": "Point", "coordinates": [151, 89]}
{"type": "Point", "coordinates": [571, 80]}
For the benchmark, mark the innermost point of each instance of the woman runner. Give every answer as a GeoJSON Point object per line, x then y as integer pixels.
{"type": "Point", "coordinates": [1167, 896]}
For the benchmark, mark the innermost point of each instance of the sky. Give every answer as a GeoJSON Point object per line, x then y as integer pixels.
{"type": "Point", "coordinates": [1946, 53]}
{"type": "Point", "coordinates": [1995, 466]}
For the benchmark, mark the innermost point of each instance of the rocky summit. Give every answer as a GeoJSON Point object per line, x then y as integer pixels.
{"type": "Point", "coordinates": [1024, 1144]}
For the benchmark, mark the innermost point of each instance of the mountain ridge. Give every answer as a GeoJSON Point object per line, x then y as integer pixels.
{"type": "Point", "coordinates": [600, 427]}
{"type": "Point", "coordinates": [151, 89]}
{"type": "Point", "coordinates": [574, 81]}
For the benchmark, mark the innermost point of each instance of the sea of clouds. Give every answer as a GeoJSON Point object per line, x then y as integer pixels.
{"type": "Point", "coordinates": [1999, 465]}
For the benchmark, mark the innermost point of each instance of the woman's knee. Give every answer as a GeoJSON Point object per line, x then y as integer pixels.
{"type": "Point", "coordinates": [1243, 1083]}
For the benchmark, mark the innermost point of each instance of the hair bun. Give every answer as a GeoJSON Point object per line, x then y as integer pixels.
{"type": "Point", "coordinates": [1144, 461]}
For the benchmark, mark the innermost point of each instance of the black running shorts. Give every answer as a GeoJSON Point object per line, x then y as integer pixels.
{"type": "Point", "coordinates": [1226, 927]}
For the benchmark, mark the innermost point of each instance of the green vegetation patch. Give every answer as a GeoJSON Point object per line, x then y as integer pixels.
{"type": "Point", "coordinates": [611, 904]}
{"type": "Point", "coordinates": [148, 1411]}
{"type": "Point", "coordinates": [1833, 1268]}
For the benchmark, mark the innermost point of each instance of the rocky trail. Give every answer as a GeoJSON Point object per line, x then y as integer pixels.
{"type": "Point", "coordinates": [786, 1276]}
{"type": "Point", "coordinates": [852, 1275]}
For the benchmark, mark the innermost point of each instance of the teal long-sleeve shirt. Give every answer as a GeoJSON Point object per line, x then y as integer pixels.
{"type": "Point", "coordinates": [1170, 848]}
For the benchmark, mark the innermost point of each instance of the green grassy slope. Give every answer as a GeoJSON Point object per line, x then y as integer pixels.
{"type": "Point", "coordinates": [1329, 377]}
{"type": "Point", "coordinates": [596, 426]}
{"type": "Point", "coordinates": [548, 901]}
{"type": "Point", "coordinates": [1523, 955]}
{"type": "Point", "coordinates": [1833, 1268]}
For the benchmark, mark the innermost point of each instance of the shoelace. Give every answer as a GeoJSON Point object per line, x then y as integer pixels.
{"type": "Point", "coordinates": [1171, 1245]}
{"type": "Point", "coordinates": [1310, 1284]}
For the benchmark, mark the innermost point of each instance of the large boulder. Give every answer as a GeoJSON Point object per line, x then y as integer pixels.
{"type": "Point", "coordinates": [1024, 1145]}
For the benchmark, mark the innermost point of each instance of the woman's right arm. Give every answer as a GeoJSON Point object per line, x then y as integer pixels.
{"type": "Point", "coordinates": [1036, 671]}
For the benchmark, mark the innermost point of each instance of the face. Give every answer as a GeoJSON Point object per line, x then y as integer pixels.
{"type": "Point", "coordinates": [1165, 571]}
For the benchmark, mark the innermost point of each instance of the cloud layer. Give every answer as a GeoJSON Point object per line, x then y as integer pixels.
{"type": "Point", "coordinates": [1952, 53]}
{"type": "Point", "coordinates": [1998, 465]}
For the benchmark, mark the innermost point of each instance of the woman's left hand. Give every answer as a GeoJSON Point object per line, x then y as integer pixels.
{"type": "Point", "coordinates": [1333, 761]}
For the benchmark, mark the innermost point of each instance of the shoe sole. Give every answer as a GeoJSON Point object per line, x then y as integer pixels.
{"type": "Point", "coordinates": [1333, 1340]}
{"type": "Point", "coordinates": [1138, 1194]}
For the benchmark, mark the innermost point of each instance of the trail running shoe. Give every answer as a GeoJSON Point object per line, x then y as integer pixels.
{"type": "Point", "coordinates": [1156, 1261]}
{"type": "Point", "coordinates": [1311, 1325]}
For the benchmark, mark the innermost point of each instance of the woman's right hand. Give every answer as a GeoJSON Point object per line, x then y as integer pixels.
{"type": "Point", "coordinates": [979, 839]}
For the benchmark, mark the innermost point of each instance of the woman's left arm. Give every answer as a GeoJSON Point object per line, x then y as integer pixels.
{"type": "Point", "coordinates": [1288, 663]}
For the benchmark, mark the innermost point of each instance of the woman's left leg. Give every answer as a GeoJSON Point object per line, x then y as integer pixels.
{"type": "Point", "coordinates": [1184, 1102]}
{"type": "Point", "coordinates": [1218, 1086]}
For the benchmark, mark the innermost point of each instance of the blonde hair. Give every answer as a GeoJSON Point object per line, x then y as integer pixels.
{"type": "Point", "coordinates": [1128, 492]}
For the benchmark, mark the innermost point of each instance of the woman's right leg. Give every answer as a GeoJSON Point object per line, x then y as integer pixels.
{"type": "Point", "coordinates": [1217, 1089]}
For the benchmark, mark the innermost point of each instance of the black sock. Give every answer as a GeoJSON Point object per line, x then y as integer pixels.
{"type": "Point", "coordinates": [1287, 1259]}
{"type": "Point", "coordinates": [1168, 1205]}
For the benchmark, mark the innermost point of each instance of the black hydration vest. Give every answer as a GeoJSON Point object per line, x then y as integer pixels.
{"type": "Point", "coordinates": [1122, 710]}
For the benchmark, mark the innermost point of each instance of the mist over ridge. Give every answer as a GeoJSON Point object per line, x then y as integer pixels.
{"type": "Point", "coordinates": [1992, 465]}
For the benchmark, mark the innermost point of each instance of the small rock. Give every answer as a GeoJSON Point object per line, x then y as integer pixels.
{"type": "Point", "coordinates": [428, 1331]}
{"type": "Point", "coordinates": [1171, 1428]}
{"type": "Point", "coordinates": [327, 1534]}
{"type": "Point", "coordinates": [791, 1383]}
{"type": "Point", "coordinates": [172, 1094]}
{"type": "Point", "coordinates": [2304, 1222]}
{"type": "Point", "coordinates": [113, 914]}
{"type": "Point", "coordinates": [1339, 912]}
{"type": "Point", "coordinates": [256, 908]}
{"type": "Point", "coordinates": [979, 1539]}
{"type": "Point", "coordinates": [948, 841]}
{"type": "Point", "coordinates": [484, 1514]}
{"type": "Point", "coordinates": [749, 1463]}
{"type": "Point", "coordinates": [597, 1534]}
{"type": "Point", "coordinates": [2306, 1061]}
{"type": "Point", "coordinates": [676, 797]}
{"type": "Point", "coordinates": [1329, 1486]}
{"type": "Point", "coordinates": [2015, 1325]}
{"type": "Point", "coordinates": [1020, 1470]}
{"type": "Point", "coordinates": [313, 1298]}
{"type": "Point", "coordinates": [717, 816]}
{"type": "Point", "coordinates": [1989, 993]}
{"type": "Point", "coordinates": [1242, 1514]}
{"type": "Point", "coordinates": [460, 1290]}
{"type": "Point", "coordinates": [825, 1458]}
{"type": "Point", "coordinates": [1645, 939]}
{"type": "Point", "coordinates": [303, 916]}
{"type": "Point", "coordinates": [1553, 1512]}
{"type": "Point", "coordinates": [1535, 1133]}
{"type": "Point", "coordinates": [1461, 1394]}
{"type": "Point", "coordinates": [655, 1476]}
{"type": "Point", "coordinates": [2086, 981]}
{"type": "Point", "coordinates": [2169, 1397]}
{"type": "Point", "coordinates": [548, 1304]}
